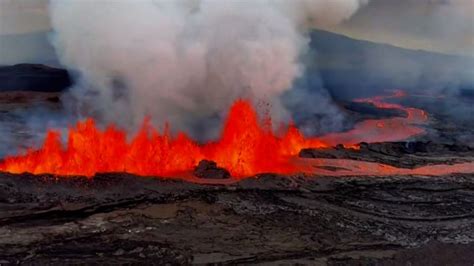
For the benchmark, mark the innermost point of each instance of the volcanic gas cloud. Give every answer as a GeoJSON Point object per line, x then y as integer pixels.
{"type": "Point", "coordinates": [185, 62]}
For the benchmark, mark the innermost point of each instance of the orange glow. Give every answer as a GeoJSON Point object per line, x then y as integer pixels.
{"type": "Point", "coordinates": [247, 146]}
{"type": "Point", "coordinates": [382, 130]}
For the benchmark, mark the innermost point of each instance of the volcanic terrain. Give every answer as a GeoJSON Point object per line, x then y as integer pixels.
{"type": "Point", "coordinates": [381, 203]}
{"type": "Point", "coordinates": [394, 186]}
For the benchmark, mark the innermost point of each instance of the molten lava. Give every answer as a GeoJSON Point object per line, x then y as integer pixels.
{"type": "Point", "coordinates": [247, 146]}
{"type": "Point", "coordinates": [382, 130]}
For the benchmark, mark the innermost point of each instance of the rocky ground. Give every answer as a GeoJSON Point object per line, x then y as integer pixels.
{"type": "Point", "coordinates": [403, 154]}
{"type": "Point", "coordinates": [117, 218]}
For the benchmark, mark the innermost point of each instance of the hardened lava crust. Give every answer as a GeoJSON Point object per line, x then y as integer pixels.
{"type": "Point", "coordinates": [121, 218]}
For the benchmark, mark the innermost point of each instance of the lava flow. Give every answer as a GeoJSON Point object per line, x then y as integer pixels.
{"type": "Point", "coordinates": [382, 130]}
{"type": "Point", "coordinates": [247, 146]}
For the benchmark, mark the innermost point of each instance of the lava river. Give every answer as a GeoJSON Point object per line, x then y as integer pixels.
{"type": "Point", "coordinates": [247, 146]}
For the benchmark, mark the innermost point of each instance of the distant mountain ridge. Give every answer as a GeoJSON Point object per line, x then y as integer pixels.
{"type": "Point", "coordinates": [31, 77]}
{"type": "Point", "coordinates": [346, 67]}
{"type": "Point", "coordinates": [351, 68]}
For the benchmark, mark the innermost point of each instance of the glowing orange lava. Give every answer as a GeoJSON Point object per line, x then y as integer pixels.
{"type": "Point", "coordinates": [247, 146]}
{"type": "Point", "coordinates": [382, 130]}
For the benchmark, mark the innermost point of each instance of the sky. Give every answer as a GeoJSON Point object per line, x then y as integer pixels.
{"type": "Point", "coordinates": [445, 26]}
{"type": "Point", "coordinates": [23, 16]}
{"type": "Point", "coordinates": [435, 25]}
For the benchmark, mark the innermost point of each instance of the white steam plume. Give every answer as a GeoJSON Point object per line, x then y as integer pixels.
{"type": "Point", "coordinates": [185, 61]}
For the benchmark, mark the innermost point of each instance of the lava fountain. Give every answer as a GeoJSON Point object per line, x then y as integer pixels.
{"type": "Point", "coordinates": [247, 146]}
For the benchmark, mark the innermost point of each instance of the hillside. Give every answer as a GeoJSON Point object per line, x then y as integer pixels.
{"type": "Point", "coordinates": [354, 68]}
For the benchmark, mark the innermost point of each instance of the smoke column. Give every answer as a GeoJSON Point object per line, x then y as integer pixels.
{"type": "Point", "coordinates": [185, 61]}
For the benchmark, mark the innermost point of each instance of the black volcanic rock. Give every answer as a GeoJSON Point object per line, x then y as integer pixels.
{"type": "Point", "coordinates": [370, 111]}
{"type": "Point", "coordinates": [31, 77]}
{"type": "Point", "coordinates": [294, 220]}
{"type": "Point", "coordinates": [209, 169]}
{"type": "Point", "coordinates": [409, 154]}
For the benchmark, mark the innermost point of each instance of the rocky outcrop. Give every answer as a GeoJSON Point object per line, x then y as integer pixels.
{"type": "Point", "coordinates": [209, 169]}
